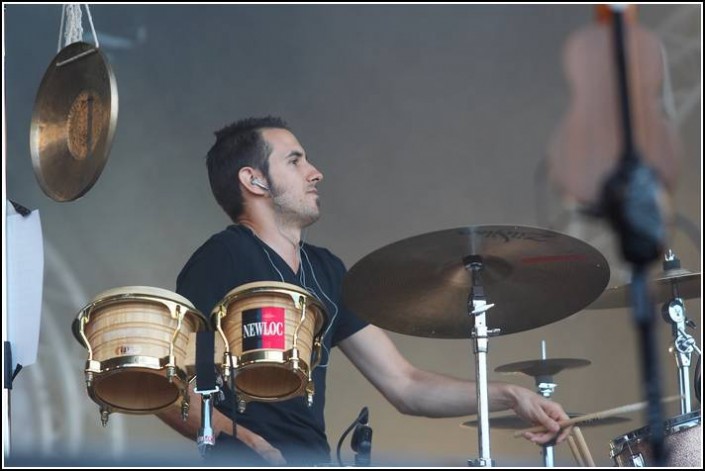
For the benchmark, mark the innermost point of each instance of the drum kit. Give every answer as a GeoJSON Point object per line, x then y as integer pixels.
{"type": "Point", "coordinates": [472, 282]}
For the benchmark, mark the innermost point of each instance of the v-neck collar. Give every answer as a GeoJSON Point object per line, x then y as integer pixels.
{"type": "Point", "coordinates": [273, 254]}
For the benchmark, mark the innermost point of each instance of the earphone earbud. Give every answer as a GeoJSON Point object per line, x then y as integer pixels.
{"type": "Point", "coordinates": [258, 183]}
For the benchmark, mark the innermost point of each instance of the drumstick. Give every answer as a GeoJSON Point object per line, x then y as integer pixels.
{"type": "Point", "coordinates": [582, 446]}
{"type": "Point", "coordinates": [576, 452]}
{"type": "Point", "coordinates": [595, 416]}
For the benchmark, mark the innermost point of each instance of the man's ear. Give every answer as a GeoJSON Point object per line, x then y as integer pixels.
{"type": "Point", "coordinates": [246, 176]}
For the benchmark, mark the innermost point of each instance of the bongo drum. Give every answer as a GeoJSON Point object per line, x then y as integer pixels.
{"type": "Point", "coordinates": [136, 337]}
{"type": "Point", "coordinates": [272, 334]}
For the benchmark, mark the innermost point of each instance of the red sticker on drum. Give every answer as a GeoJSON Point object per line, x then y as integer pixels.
{"type": "Point", "coordinates": [263, 327]}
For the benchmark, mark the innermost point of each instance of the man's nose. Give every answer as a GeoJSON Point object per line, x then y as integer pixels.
{"type": "Point", "coordinates": [315, 175]}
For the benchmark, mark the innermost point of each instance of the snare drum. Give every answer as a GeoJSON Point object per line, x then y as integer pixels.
{"type": "Point", "coordinates": [137, 338]}
{"type": "Point", "coordinates": [272, 334]}
{"type": "Point", "coordinates": [682, 440]}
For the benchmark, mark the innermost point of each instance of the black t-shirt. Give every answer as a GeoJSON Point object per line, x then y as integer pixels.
{"type": "Point", "coordinates": [235, 257]}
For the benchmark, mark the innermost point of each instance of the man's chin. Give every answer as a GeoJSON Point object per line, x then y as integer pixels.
{"type": "Point", "coordinates": [311, 218]}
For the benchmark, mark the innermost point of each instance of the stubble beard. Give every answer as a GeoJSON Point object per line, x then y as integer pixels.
{"type": "Point", "coordinates": [292, 212]}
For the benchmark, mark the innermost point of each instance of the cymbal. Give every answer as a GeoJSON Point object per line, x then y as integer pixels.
{"type": "Point", "coordinates": [547, 367]}
{"type": "Point", "coordinates": [513, 422]}
{"type": "Point", "coordinates": [420, 285]}
{"type": "Point", "coordinates": [73, 122]}
{"type": "Point", "coordinates": [687, 283]}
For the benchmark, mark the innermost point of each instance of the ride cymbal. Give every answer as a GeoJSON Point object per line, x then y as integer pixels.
{"type": "Point", "coordinates": [73, 122]}
{"type": "Point", "coordinates": [547, 367]}
{"type": "Point", "coordinates": [661, 289]}
{"type": "Point", "coordinates": [420, 285]}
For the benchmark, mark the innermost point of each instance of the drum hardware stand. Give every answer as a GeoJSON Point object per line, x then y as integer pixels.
{"type": "Point", "coordinates": [185, 405]}
{"type": "Point", "coordinates": [93, 366]}
{"type": "Point", "coordinates": [229, 369]}
{"type": "Point", "coordinates": [674, 313]}
{"type": "Point", "coordinates": [171, 369]}
{"type": "Point", "coordinates": [206, 438]}
{"type": "Point", "coordinates": [207, 387]}
{"type": "Point", "coordinates": [546, 387]}
{"type": "Point", "coordinates": [178, 315]}
{"type": "Point", "coordinates": [171, 374]}
{"type": "Point", "coordinates": [477, 307]}
{"type": "Point", "coordinates": [295, 359]}
{"type": "Point", "coordinates": [309, 392]}
{"type": "Point", "coordinates": [104, 416]}
{"type": "Point", "coordinates": [241, 404]}
{"type": "Point", "coordinates": [229, 366]}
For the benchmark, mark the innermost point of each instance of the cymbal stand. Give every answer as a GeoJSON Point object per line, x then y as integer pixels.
{"type": "Point", "coordinates": [683, 343]}
{"type": "Point", "coordinates": [477, 307]}
{"type": "Point", "coordinates": [546, 386]}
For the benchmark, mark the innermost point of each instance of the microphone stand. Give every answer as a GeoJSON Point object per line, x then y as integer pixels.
{"type": "Point", "coordinates": [630, 203]}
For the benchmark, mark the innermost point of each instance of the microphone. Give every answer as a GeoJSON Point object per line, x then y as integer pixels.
{"type": "Point", "coordinates": [258, 183]}
{"type": "Point", "coordinates": [632, 203]}
{"type": "Point", "coordinates": [361, 441]}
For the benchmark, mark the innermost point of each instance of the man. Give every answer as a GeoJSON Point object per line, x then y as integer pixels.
{"type": "Point", "coordinates": [261, 177]}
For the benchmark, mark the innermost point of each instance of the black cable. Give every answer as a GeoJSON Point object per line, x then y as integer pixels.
{"type": "Point", "coordinates": [362, 417]}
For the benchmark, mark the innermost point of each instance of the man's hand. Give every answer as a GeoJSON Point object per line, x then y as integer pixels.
{"type": "Point", "coordinates": [263, 448]}
{"type": "Point", "coordinates": [540, 411]}
{"type": "Point", "coordinates": [221, 424]}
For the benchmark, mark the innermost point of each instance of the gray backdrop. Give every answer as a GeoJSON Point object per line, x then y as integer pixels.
{"type": "Point", "coordinates": [422, 118]}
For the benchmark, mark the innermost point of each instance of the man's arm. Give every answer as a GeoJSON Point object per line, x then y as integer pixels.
{"type": "Point", "coordinates": [417, 392]}
{"type": "Point", "coordinates": [220, 423]}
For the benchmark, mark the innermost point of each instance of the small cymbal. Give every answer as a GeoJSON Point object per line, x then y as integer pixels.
{"type": "Point", "coordinates": [420, 285]}
{"type": "Point", "coordinates": [661, 290]}
{"type": "Point", "coordinates": [513, 422]}
{"type": "Point", "coordinates": [547, 367]}
{"type": "Point", "coordinates": [73, 122]}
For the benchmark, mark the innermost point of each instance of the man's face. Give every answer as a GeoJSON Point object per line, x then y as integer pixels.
{"type": "Point", "coordinates": [292, 178]}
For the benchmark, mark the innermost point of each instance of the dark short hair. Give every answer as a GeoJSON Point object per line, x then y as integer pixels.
{"type": "Point", "coordinates": [238, 145]}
